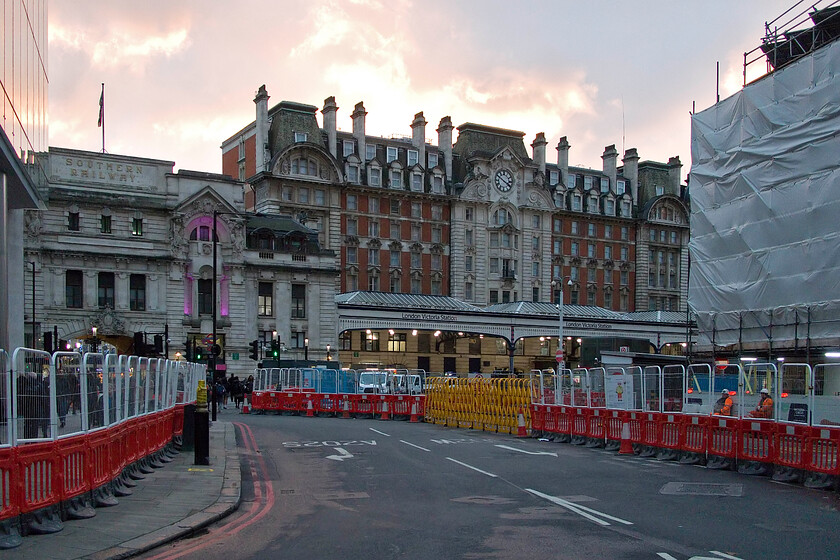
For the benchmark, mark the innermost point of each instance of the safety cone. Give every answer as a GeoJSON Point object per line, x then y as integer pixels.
{"type": "Point", "coordinates": [520, 429]}
{"type": "Point", "coordinates": [414, 412]}
{"type": "Point", "coordinates": [384, 410]}
{"type": "Point", "coordinates": [626, 445]}
{"type": "Point", "coordinates": [246, 408]}
{"type": "Point", "coordinates": [346, 412]}
{"type": "Point", "coordinates": [309, 410]}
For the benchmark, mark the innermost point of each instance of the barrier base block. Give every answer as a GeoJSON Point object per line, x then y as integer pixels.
{"type": "Point", "coordinates": [43, 521]}
{"type": "Point", "coordinates": [667, 455]}
{"type": "Point", "coordinates": [754, 468]}
{"type": "Point", "coordinates": [102, 497]}
{"type": "Point", "coordinates": [692, 458]}
{"type": "Point", "coordinates": [79, 508]}
{"type": "Point", "coordinates": [820, 480]}
{"type": "Point", "coordinates": [719, 463]}
{"type": "Point", "coordinates": [787, 474]}
{"type": "Point", "coordinates": [612, 445]}
{"type": "Point", "coordinates": [9, 534]}
{"type": "Point", "coordinates": [647, 451]}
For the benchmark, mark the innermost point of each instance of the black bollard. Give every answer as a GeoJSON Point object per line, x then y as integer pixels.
{"type": "Point", "coordinates": [201, 419]}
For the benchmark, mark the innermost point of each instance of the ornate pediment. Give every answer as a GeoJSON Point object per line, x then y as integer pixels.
{"type": "Point", "coordinates": [107, 322]}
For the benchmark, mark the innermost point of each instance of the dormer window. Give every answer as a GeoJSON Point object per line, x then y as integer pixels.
{"type": "Point", "coordinates": [553, 177]}
{"type": "Point", "coordinates": [625, 208]}
{"type": "Point", "coordinates": [352, 173]}
{"type": "Point", "coordinates": [370, 151]}
{"type": "Point", "coordinates": [413, 157]}
{"type": "Point", "coordinates": [587, 182]}
{"type": "Point", "coordinates": [437, 184]}
{"type": "Point", "coordinates": [301, 136]}
{"type": "Point", "coordinates": [660, 190]}
{"type": "Point", "coordinates": [391, 154]}
{"type": "Point", "coordinates": [348, 147]}
{"type": "Point", "coordinates": [605, 185]}
{"type": "Point", "coordinates": [593, 204]}
{"type": "Point", "coordinates": [572, 180]}
{"type": "Point", "coordinates": [433, 160]}
{"type": "Point", "coordinates": [396, 179]}
{"type": "Point", "coordinates": [375, 177]}
{"type": "Point", "coordinates": [620, 186]}
{"type": "Point", "coordinates": [577, 202]}
{"type": "Point", "coordinates": [609, 207]}
{"type": "Point", "coordinates": [416, 182]}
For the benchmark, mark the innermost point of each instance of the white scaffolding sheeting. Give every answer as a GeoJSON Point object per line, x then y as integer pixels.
{"type": "Point", "coordinates": [765, 209]}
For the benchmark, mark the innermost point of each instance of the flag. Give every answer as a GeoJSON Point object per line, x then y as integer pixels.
{"type": "Point", "coordinates": [101, 106]}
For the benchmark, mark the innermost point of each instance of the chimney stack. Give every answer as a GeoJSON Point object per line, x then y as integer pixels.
{"type": "Point", "coordinates": [444, 131]}
{"type": "Point", "coordinates": [610, 157]}
{"type": "Point", "coordinates": [631, 172]}
{"type": "Point", "coordinates": [538, 151]}
{"type": "Point", "coordinates": [358, 116]}
{"type": "Point", "coordinates": [418, 137]}
{"type": "Point", "coordinates": [674, 171]}
{"type": "Point", "coordinates": [329, 111]}
{"type": "Point", "coordinates": [563, 160]}
{"type": "Point", "coordinates": [261, 101]}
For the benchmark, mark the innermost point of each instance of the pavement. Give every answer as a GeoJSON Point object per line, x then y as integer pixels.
{"type": "Point", "coordinates": [171, 503]}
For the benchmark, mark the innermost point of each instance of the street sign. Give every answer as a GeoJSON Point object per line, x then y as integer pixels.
{"type": "Point", "coordinates": [559, 355]}
{"type": "Point", "coordinates": [236, 355]}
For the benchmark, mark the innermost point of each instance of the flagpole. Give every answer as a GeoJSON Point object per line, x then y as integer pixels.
{"type": "Point", "coordinates": [102, 115]}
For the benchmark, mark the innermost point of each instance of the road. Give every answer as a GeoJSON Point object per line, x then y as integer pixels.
{"type": "Point", "coordinates": [362, 488]}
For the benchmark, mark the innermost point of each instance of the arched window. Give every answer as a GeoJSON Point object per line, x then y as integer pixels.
{"type": "Point", "coordinates": [502, 217]}
{"type": "Point", "coordinates": [201, 233]}
{"type": "Point", "coordinates": [304, 166]}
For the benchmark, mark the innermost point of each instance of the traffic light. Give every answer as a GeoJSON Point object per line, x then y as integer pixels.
{"type": "Point", "coordinates": [255, 350]}
{"type": "Point", "coordinates": [48, 342]}
{"type": "Point", "coordinates": [158, 344]}
{"type": "Point", "coordinates": [275, 349]}
{"type": "Point", "coordinates": [198, 353]}
{"type": "Point", "coordinates": [188, 353]}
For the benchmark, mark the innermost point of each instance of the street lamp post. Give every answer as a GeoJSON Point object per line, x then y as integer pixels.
{"type": "Point", "coordinates": [34, 338]}
{"type": "Point", "coordinates": [558, 283]}
{"type": "Point", "coordinates": [306, 349]}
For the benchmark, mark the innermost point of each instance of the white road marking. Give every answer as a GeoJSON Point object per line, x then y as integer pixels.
{"type": "Point", "coordinates": [412, 445]}
{"type": "Point", "coordinates": [380, 433]}
{"type": "Point", "coordinates": [665, 555]}
{"type": "Point", "coordinates": [583, 511]}
{"type": "Point", "coordinates": [472, 467]}
{"type": "Point", "coordinates": [724, 555]}
{"type": "Point", "coordinates": [527, 452]}
{"type": "Point", "coordinates": [343, 454]}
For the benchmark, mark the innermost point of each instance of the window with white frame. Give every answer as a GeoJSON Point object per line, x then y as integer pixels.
{"type": "Point", "coordinates": [395, 284]}
{"type": "Point", "coordinates": [558, 225]}
{"type": "Point", "coordinates": [605, 185]}
{"type": "Point", "coordinates": [373, 282]}
{"type": "Point", "coordinates": [574, 228]}
{"type": "Point", "coordinates": [352, 282]}
{"type": "Point", "coordinates": [352, 173]}
{"type": "Point", "coordinates": [301, 136]}
{"type": "Point", "coordinates": [375, 176]}
{"type": "Point", "coordinates": [572, 180]}
{"type": "Point", "coordinates": [395, 258]}
{"type": "Point", "coordinates": [590, 230]}
{"type": "Point", "coordinates": [436, 261]}
{"type": "Point", "coordinates": [288, 194]}
{"type": "Point", "coordinates": [437, 234]}
{"type": "Point", "coordinates": [416, 182]}
{"type": "Point", "coordinates": [494, 239]}
{"type": "Point", "coordinates": [433, 159]}
{"type": "Point", "coordinates": [352, 226]}
{"type": "Point", "coordinates": [590, 250]}
{"type": "Point", "coordinates": [625, 233]}
{"type": "Point", "coordinates": [535, 269]}
{"type": "Point", "coordinates": [468, 291]}
{"type": "Point", "coordinates": [348, 147]}
{"type": "Point", "coordinates": [320, 197]}
{"type": "Point", "coordinates": [396, 179]}
{"type": "Point", "coordinates": [535, 243]}
{"type": "Point", "coordinates": [352, 202]}
{"type": "Point", "coordinates": [396, 206]}
{"type": "Point", "coordinates": [416, 259]}
{"type": "Point", "coordinates": [557, 247]}
{"type": "Point", "coordinates": [437, 184]}
{"type": "Point", "coordinates": [352, 255]}
{"type": "Point", "coordinates": [494, 265]}
{"type": "Point", "coordinates": [468, 263]}
{"type": "Point", "coordinates": [620, 186]}
{"type": "Point", "coordinates": [577, 202]}
{"type": "Point", "coordinates": [468, 214]}
{"type": "Point", "coordinates": [593, 204]}
{"type": "Point", "coordinates": [391, 154]}
{"type": "Point", "coordinates": [625, 253]}
{"type": "Point", "coordinates": [660, 190]}
{"type": "Point", "coordinates": [373, 205]}
{"type": "Point", "coordinates": [626, 208]}
{"type": "Point", "coordinates": [395, 229]}
{"type": "Point", "coordinates": [416, 232]}
{"type": "Point", "coordinates": [574, 274]}
{"type": "Point", "coordinates": [553, 177]}
{"type": "Point", "coordinates": [412, 157]}
{"type": "Point", "coordinates": [609, 207]}
{"type": "Point", "coordinates": [608, 231]}
{"type": "Point", "coordinates": [370, 151]}
{"type": "Point", "coordinates": [575, 248]}
{"type": "Point", "coordinates": [437, 212]}
{"type": "Point", "coordinates": [608, 252]}
{"type": "Point", "coordinates": [587, 182]}
{"type": "Point", "coordinates": [373, 228]}
{"type": "Point", "coordinates": [469, 240]}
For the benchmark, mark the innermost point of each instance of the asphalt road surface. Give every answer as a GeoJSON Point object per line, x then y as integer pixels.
{"type": "Point", "coordinates": [362, 488]}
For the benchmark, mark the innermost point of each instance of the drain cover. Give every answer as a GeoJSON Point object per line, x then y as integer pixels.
{"type": "Point", "coordinates": [702, 489]}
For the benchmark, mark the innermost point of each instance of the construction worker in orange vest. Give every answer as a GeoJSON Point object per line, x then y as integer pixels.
{"type": "Point", "coordinates": [764, 408]}
{"type": "Point", "coordinates": [723, 406]}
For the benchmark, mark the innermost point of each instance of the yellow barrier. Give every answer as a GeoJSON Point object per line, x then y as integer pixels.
{"type": "Point", "coordinates": [492, 405]}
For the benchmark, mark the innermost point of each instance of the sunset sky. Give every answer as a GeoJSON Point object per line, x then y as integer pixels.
{"type": "Point", "coordinates": [180, 77]}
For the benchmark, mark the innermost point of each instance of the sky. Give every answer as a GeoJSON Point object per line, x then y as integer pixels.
{"type": "Point", "coordinates": [180, 76]}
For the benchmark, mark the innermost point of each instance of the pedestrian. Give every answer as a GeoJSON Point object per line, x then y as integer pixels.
{"type": "Point", "coordinates": [723, 406]}
{"type": "Point", "coordinates": [764, 408]}
{"type": "Point", "coordinates": [237, 391]}
{"type": "Point", "coordinates": [63, 396]}
{"type": "Point", "coordinates": [219, 394]}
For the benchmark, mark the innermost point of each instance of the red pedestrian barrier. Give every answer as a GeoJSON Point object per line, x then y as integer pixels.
{"type": "Point", "coordinates": [615, 423]}
{"type": "Point", "coordinates": [538, 414]}
{"type": "Point", "coordinates": [382, 407]}
{"type": "Point", "coordinates": [822, 451]}
{"type": "Point", "coordinates": [723, 437]}
{"type": "Point", "coordinates": [40, 468]}
{"type": "Point", "coordinates": [99, 467]}
{"type": "Point", "coordinates": [564, 420]}
{"type": "Point", "coordinates": [401, 406]}
{"type": "Point", "coordinates": [693, 437]}
{"type": "Point", "coordinates": [364, 404]}
{"type": "Point", "coordinates": [326, 403]}
{"type": "Point", "coordinates": [755, 445]}
{"type": "Point", "coordinates": [668, 430]}
{"type": "Point", "coordinates": [9, 483]}
{"type": "Point", "coordinates": [257, 400]}
{"type": "Point", "coordinates": [284, 402]}
{"type": "Point", "coordinates": [580, 425]}
{"type": "Point", "coordinates": [635, 421]}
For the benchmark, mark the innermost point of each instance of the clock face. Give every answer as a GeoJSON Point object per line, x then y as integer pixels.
{"type": "Point", "coordinates": [504, 180]}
